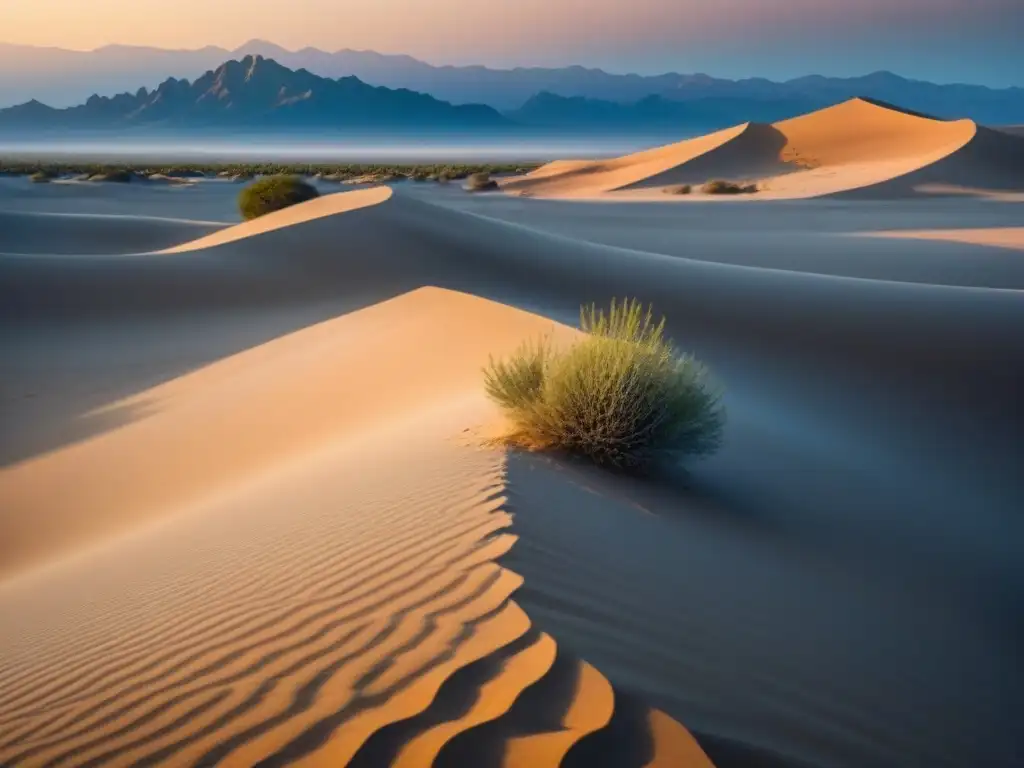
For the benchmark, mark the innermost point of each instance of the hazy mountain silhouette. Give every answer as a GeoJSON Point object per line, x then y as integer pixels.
{"type": "Point", "coordinates": [60, 78]}
{"type": "Point", "coordinates": [653, 113]}
{"type": "Point", "coordinates": [257, 94]}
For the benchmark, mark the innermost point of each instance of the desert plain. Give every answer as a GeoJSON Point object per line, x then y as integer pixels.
{"type": "Point", "coordinates": [252, 511]}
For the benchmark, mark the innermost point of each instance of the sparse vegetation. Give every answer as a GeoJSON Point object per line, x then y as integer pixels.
{"type": "Point", "coordinates": [620, 396]}
{"type": "Point", "coordinates": [720, 187]}
{"type": "Point", "coordinates": [481, 182]}
{"type": "Point", "coordinates": [234, 171]}
{"type": "Point", "coordinates": [40, 177]}
{"type": "Point", "coordinates": [272, 194]}
{"type": "Point", "coordinates": [679, 189]}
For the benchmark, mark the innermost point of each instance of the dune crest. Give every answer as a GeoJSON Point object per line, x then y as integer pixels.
{"type": "Point", "coordinates": [857, 148]}
{"type": "Point", "coordinates": [327, 205]}
{"type": "Point", "coordinates": [289, 556]}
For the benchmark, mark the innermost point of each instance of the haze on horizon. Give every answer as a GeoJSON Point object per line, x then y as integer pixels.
{"type": "Point", "coordinates": [974, 41]}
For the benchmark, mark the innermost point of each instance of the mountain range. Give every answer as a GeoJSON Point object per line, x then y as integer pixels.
{"type": "Point", "coordinates": [62, 78]}
{"type": "Point", "coordinates": [257, 95]}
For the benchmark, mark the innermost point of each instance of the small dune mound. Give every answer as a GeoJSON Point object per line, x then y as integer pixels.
{"type": "Point", "coordinates": [620, 396]}
{"type": "Point", "coordinates": [114, 177]}
{"type": "Point", "coordinates": [176, 181]}
{"type": "Point", "coordinates": [41, 177]}
{"type": "Point", "coordinates": [274, 193]}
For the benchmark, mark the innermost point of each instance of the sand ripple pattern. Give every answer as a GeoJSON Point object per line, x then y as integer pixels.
{"type": "Point", "coordinates": [370, 629]}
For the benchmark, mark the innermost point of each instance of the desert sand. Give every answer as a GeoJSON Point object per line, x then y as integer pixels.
{"type": "Point", "coordinates": [999, 237]}
{"type": "Point", "coordinates": [859, 148]}
{"type": "Point", "coordinates": [249, 513]}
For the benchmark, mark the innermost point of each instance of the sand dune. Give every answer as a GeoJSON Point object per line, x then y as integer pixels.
{"type": "Point", "coordinates": [288, 559]}
{"type": "Point", "coordinates": [290, 550]}
{"type": "Point", "coordinates": [858, 148]}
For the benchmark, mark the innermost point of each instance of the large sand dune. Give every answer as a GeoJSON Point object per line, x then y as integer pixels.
{"type": "Point", "coordinates": [858, 148]}
{"type": "Point", "coordinates": [243, 519]}
{"type": "Point", "coordinates": [319, 586]}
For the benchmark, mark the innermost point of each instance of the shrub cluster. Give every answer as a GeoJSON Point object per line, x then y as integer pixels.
{"type": "Point", "coordinates": [272, 194]}
{"type": "Point", "coordinates": [679, 189]}
{"type": "Point", "coordinates": [481, 182]}
{"type": "Point", "coordinates": [337, 172]}
{"type": "Point", "coordinates": [620, 396]}
{"type": "Point", "coordinates": [720, 187]}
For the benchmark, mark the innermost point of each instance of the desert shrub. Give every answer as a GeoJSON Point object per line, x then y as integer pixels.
{"type": "Point", "coordinates": [620, 396]}
{"type": "Point", "coordinates": [679, 189]}
{"type": "Point", "coordinates": [41, 177]}
{"type": "Point", "coordinates": [720, 187]}
{"type": "Point", "coordinates": [272, 194]}
{"type": "Point", "coordinates": [480, 182]}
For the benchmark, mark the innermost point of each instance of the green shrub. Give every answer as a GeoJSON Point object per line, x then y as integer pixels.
{"type": "Point", "coordinates": [480, 182]}
{"type": "Point", "coordinates": [620, 396]}
{"type": "Point", "coordinates": [719, 187]}
{"type": "Point", "coordinates": [679, 189]}
{"type": "Point", "coordinates": [41, 177]}
{"type": "Point", "coordinates": [274, 193]}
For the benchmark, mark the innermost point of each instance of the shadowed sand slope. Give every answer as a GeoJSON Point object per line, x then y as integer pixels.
{"type": "Point", "coordinates": [859, 148]}
{"type": "Point", "coordinates": [79, 234]}
{"type": "Point", "coordinates": [290, 559]}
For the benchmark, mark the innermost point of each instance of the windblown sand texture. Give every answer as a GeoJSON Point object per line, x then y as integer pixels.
{"type": "Point", "coordinates": [859, 148]}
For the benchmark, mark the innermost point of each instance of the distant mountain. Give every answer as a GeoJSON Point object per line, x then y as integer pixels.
{"type": "Point", "coordinates": [258, 95]}
{"type": "Point", "coordinates": [61, 77]}
{"type": "Point", "coordinates": [654, 114]}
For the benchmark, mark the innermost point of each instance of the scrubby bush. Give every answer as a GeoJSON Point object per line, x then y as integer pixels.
{"type": "Point", "coordinates": [480, 182]}
{"type": "Point", "coordinates": [620, 396]}
{"type": "Point", "coordinates": [272, 194]}
{"type": "Point", "coordinates": [679, 189]}
{"type": "Point", "coordinates": [41, 177]}
{"type": "Point", "coordinates": [719, 187]}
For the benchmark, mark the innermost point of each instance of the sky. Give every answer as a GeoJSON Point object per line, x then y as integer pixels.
{"type": "Point", "coordinates": [973, 41]}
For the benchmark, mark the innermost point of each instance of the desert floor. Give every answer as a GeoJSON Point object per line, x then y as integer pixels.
{"type": "Point", "coordinates": [248, 513]}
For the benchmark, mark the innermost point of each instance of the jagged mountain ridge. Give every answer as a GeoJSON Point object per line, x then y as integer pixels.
{"type": "Point", "coordinates": [257, 93]}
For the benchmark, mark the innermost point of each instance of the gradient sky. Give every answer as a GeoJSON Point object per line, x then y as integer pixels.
{"type": "Point", "coordinates": [943, 40]}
